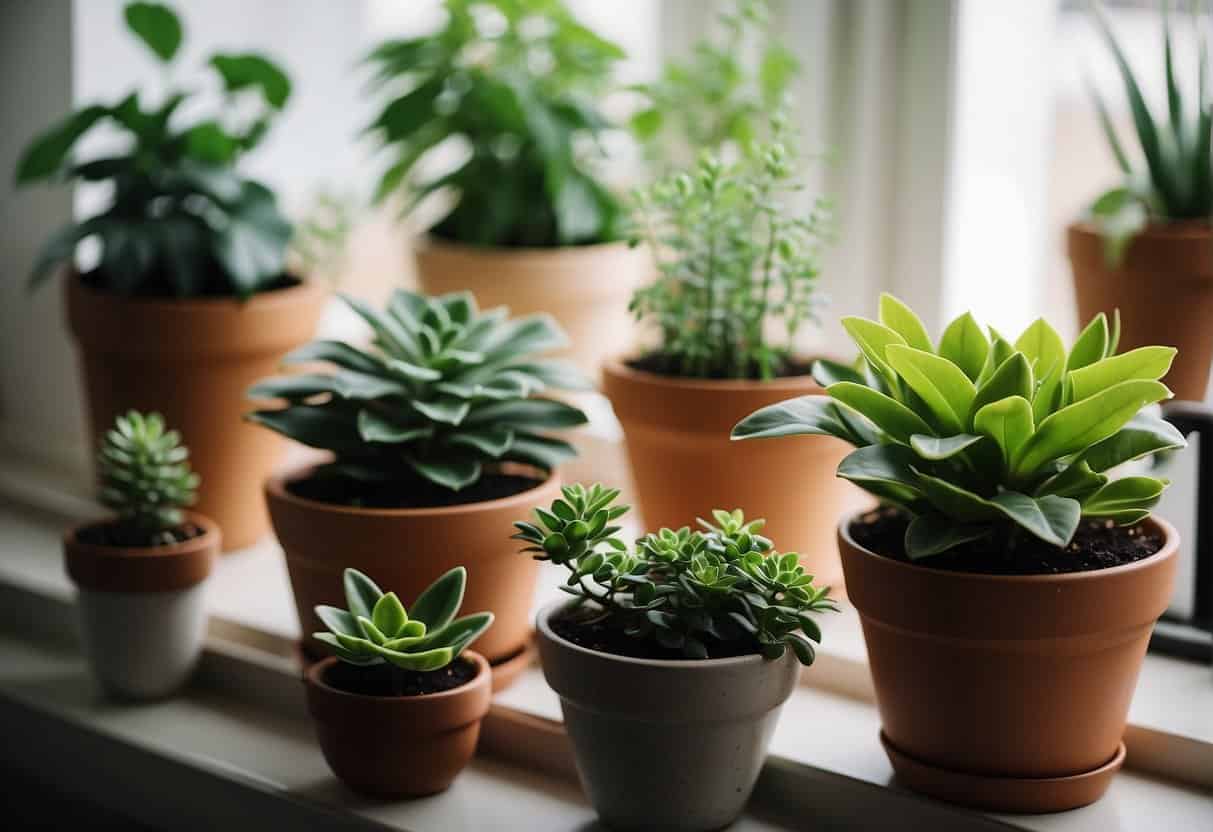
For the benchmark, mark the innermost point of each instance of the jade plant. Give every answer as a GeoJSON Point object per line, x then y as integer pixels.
{"type": "Point", "coordinates": [449, 394]}
{"type": "Point", "coordinates": [181, 221]}
{"type": "Point", "coordinates": [979, 438]}
{"type": "Point", "coordinates": [519, 83]}
{"type": "Point", "coordinates": [145, 479]}
{"type": "Point", "coordinates": [376, 629]}
{"type": "Point", "coordinates": [687, 590]}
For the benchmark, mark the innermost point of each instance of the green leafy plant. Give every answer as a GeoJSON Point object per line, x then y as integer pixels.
{"type": "Point", "coordinates": [517, 81]}
{"type": "Point", "coordinates": [979, 438]}
{"type": "Point", "coordinates": [687, 590]}
{"type": "Point", "coordinates": [145, 478]}
{"type": "Point", "coordinates": [450, 393]}
{"type": "Point", "coordinates": [1177, 183]}
{"type": "Point", "coordinates": [182, 221]}
{"type": "Point", "coordinates": [377, 630]}
{"type": "Point", "coordinates": [731, 262]}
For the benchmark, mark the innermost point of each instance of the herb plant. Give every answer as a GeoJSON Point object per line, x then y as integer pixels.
{"type": "Point", "coordinates": [518, 82]}
{"type": "Point", "coordinates": [449, 393]}
{"type": "Point", "coordinates": [686, 590]}
{"type": "Point", "coordinates": [1177, 183]}
{"type": "Point", "coordinates": [983, 439]}
{"type": "Point", "coordinates": [145, 478]}
{"type": "Point", "coordinates": [182, 221]}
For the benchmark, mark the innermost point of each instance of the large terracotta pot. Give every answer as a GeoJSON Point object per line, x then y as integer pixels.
{"type": "Point", "coordinates": [685, 465]}
{"type": "Point", "coordinates": [193, 361]}
{"type": "Point", "coordinates": [405, 550]}
{"type": "Point", "coordinates": [1164, 290]}
{"type": "Point", "coordinates": [585, 288]}
{"type": "Point", "coordinates": [1006, 692]}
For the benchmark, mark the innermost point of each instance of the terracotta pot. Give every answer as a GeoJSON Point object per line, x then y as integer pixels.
{"type": "Point", "coordinates": [405, 550]}
{"type": "Point", "coordinates": [142, 609]}
{"type": "Point", "coordinates": [398, 746]}
{"type": "Point", "coordinates": [192, 360]}
{"type": "Point", "coordinates": [1164, 290]}
{"type": "Point", "coordinates": [585, 288]}
{"type": "Point", "coordinates": [1006, 692]}
{"type": "Point", "coordinates": [685, 465]}
{"type": "Point", "coordinates": [705, 724]}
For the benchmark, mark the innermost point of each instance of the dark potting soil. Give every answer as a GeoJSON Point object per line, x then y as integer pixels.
{"type": "Point", "coordinates": [111, 533]}
{"type": "Point", "coordinates": [1098, 544]}
{"type": "Point", "coordinates": [161, 286]}
{"type": "Point", "coordinates": [661, 364]}
{"type": "Point", "coordinates": [388, 680]}
{"type": "Point", "coordinates": [586, 628]}
{"type": "Point", "coordinates": [411, 494]}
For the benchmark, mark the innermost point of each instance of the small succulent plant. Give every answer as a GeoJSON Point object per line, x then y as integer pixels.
{"type": "Point", "coordinates": [376, 629]}
{"type": "Point", "coordinates": [450, 393]}
{"type": "Point", "coordinates": [145, 477]}
{"type": "Point", "coordinates": [687, 590]}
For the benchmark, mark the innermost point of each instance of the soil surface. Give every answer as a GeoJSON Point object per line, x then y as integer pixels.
{"type": "Point", "coordinates": [584, 628]}
{"type": "Point", "coordinates": [1098, 544]}
{"type": "Point", "coordinates": [111, 533]}
{"type": "Point", "coordinates": [664, 365]}
{"type": "Point", "coordinates": [412, 494]}
{"type": "Point", "coordinates": [391, 681]}
{"type": "Point", "coordinates": [160, 285]}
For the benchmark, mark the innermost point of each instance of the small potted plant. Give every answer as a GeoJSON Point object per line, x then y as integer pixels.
{"type": "Point", "coordinates": [530, 223]}
{"type": "Point", "coordinates": [679, 651]}
{"type": "Point", "coordinates": [438, 440]}
{"type": "Point", "coordinates": [141, 574]}
{"type": "Point", "coordinates": [1008, 585]}
{"type": "Point", "coordinates": [398, 705]}
{"type": "Point", "coordinates": [1146, 247]}
{"type": "Point", "coordinates": [189, 301]}
{"type": "Point", "coordinates": [733, 271]}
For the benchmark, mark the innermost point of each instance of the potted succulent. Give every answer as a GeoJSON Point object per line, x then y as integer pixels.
{"type": "Point", "coordinates": [530, 223]}
{"type": "Point", "coordinates": [680, 650]}
{"type": "Point", "coordinates": [1147, 246]}
{"type": "Point", "coordinates": [733, 270]}
{"type": "Point", "coordinates": [438, 441]}
{"type": "Point", "coordinates": [188, 302]}
{"type": "Point", "coordinates": [141, 574]}
{"type": "Point", "coordinates": [398, 705]}
{"type": "Point", "coordinates": [1008, 586]}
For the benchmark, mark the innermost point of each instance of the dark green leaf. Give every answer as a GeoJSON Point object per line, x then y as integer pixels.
{"type": "Point", "coordinates": [251, 70]}
{"type": "Point", "coordinates": [157, 26]}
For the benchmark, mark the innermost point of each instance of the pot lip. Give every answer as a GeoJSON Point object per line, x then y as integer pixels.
{"type": "Point", "coordinates": [275, 489]}
{"type": "Point", "coordinates": [427, 240]}
{"type": "Point", "coordinates": [618, 367]}
{"type": "Point", "coordinates": [314, 676]}
{"type": "Point", "coordinates": [1170, 547]}
{"type": "Point", "coordinates": [1170, 230]}
{"type": "Point", "coordinates": [689, 665]}
{"type": "Point", "coordinates": [211, 536]}
{"type": "Point", "coordinates": [303, 290]}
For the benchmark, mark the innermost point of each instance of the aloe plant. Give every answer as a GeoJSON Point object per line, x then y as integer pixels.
{"type": "Point", "coordinates": [981, 438]}
{"type": "Point", "coordinates": [1177, 182]}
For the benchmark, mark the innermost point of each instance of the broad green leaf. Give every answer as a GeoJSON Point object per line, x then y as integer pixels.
{"type": "Point", "coordinates": [888, 414]}
{"type": "Point", "coordinates": [1012, 378]}
{"type": "Point", "coordinates": [240, 72]}
{"type": "Point", "coordinates": [338, 620]}
{"type": "Point", "coordinates": [1000, 351]}
{"type": "Point", "coordinates": [157, 26]}
{"type": "Point", "coordinates": [424, 662]}
{"type": "Point", "coordinates": [527, 413]}
{"type": "Point", "coordinates": [803, 416]}
{"type": "Point", "coordinates": [1143, 363]}
{"type": "Point", "coordinates": [208, 143]}
{"type": "Point", "coordinates": [47, 152]}
{"type": "Point", "coordinates": [252, 246]}
{"type": "Point", "coordinates": [408, 113]}
{"type": "Point", "coordinates": [884, 470]}
{"type": "Point", "coordinates": [344, 653]}
{"type": "Point", "coordinates": [546, 452]}
{"type": "Point", "coordinates": [873, 339]}
{"type": "Point", "coordinates": [351, 384]}
{"type": "Point", "coordinates": [455, 474]}
{"type": "Point", "coordinates": [930, 534]}
{"type": "Point", "coordinates": [413, 372]}
{"type": "Point", "coordinates": [956, 502]}
{"type": "Point", "coordinates": [1008, 422]}
{"type": "Point", "coordinates": [389, 615]}
{"type": "Point", "coordinates": [459, 633]}
{"type": "Point", "coordinates": [1052, 519]}
{"type": "Point", "coordinates": [437, 605]}
{"type": "Point", "coordinates": [940, 448]}
{"type": "Point", "coordinates": [361, 593]}
{"type": "Point", "coordinates": [374, 426]}
{"type": "Point", "coordinates": [1077, 481]}
{"type": "Point", "coordinates": [1125, 494]}
{"type": "Point", "coordinates": [316, 426]}
{"type": "Point", "coordinates": [1114, 335]}
{"type": "Point", "coordinates": [827, 372]}
{"type": "Point", "coordinates": [555, 374]}
{"type": "Point", "coordinates": [300, 386]}
{"type": "Point", "coordinates": [965, 345]}
{"type": "Point", "coordinates": [447, 409]}
{"type": "Point", "coordinates": [1091, 344]}
{"type": "Point", "coordinates": [1144, 435]}
{"type": "Point", "coordinates": [943, 387]}
{"type": "Point", "coordinates": [492, 440]}
{"type": "Point", "coordinates": [534, 333]}
{"type": "Point", "coordinates": [1045, 350]}
{"type": "Point", "coordinates": [390, 335]}
{"type": "Point", "coordinates": [901, 319]}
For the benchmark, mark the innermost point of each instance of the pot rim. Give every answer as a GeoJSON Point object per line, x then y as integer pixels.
{"type": "Point", "coordinates": [302, 289]}
{"type": "Point", "coordinates": [427, 240]}
{"type": "Point", "coordinates": [801, 384]}
{"type": "Point", "coordinates": [314, 675]}
{"type": "Point", "coordinates": [1169, 548]}
{"type": "Point", "coordinates": [210, 537]}
{"type": "Point", "coordinates": [1189, 229]}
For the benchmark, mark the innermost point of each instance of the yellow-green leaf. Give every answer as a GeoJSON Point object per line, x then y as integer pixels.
{"type": "Point", "coordinates": [942, 386]}
{"type": "Point", "coordinates": [965, 345]}
{"type": "Point", "coordinates": [1008, 422]}
{"type": "Point", "coordinates": [901, 319]}
{"type": "Point", "coordinates": [873, 340]}
{"type": "Point", "coordinates": [1142, 363]}
{"type": "Point", "coordinates": [888, 414]}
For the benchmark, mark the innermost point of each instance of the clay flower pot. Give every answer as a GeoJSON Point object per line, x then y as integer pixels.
{"type": "Point", "coordinates": [398, 746]}
{"type": "Point", "coordinates": [585, 288]}
{"type": "Point", "coordinates": [192, 361]}
{"type": "Point", "coordinates": [142, 609]}
{"type": "Point", "coordinates": [1163, 288]}
{"type": "Point", "coordinates": [685, 465]}
{"type": "Point", "coordinates": [408, 549]}
{"type": "Point", "coordinates": [661, 744]}
{"type": "Point", "coordinates": [1006, 692]}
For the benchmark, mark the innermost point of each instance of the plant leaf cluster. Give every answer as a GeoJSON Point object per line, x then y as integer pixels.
{"type": "Point", "coordinates": [518, 81]}
{"type": "Point", "coordinates": [686, 590]}
{"type": "Point", "coordinates": [375, 628]}
{"type": "Point", "coordinates": [182, 221]}
{"type": "Point", "coordinates": [448, 392]}
{"type": "Point", "coordinates": [981, 438]}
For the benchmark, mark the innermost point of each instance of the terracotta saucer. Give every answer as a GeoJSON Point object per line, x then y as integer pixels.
{"type": "Point", "coordinates": [1003, 794]}
{"type": "Point", "coordinates": [506, 670]}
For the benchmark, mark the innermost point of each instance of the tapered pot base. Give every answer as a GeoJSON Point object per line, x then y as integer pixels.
{"type": "Point", "coordinates": [1025, 795]}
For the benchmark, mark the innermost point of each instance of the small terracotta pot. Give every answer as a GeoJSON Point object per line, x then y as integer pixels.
{"type": "Point", "coordinates": [398, 746]}
{"type": "Point", "coordinates": [1006, 692]}
{"type": "Point", "coordinates": [142, 609]}
{"type": "Point", "coordinates": [193, 361]}
{"type": "Point", "coordinates": [585, 288]}
{"type": "Point", "coordinates": [706, 724]}
{"type": "Point", "coordinates": [405, 550]}
{"type": "Point", "coordinates": [685, 465]}
{"type": "Point", "coordinates": [1163, 288]}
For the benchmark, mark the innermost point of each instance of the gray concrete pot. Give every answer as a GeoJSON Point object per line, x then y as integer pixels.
{"type": "Point", "coordinates": [671, 745]}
